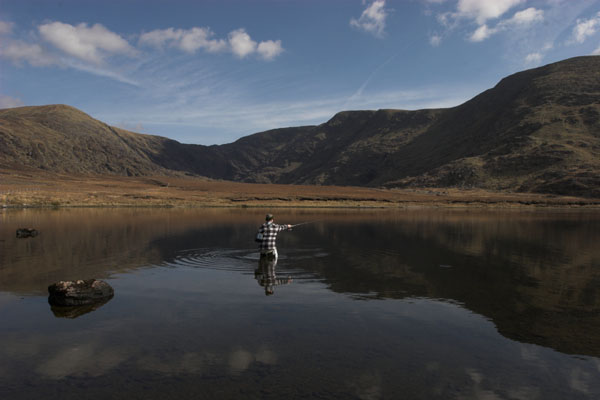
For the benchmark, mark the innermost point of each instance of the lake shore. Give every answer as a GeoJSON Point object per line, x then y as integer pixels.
{"type": "Point", "coordinates": [35, 190]}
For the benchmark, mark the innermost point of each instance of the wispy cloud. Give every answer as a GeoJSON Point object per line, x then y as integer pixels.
{"type": "Point", "coordinates": [525, 17]}
{"type": "Point", "coordinates": [19, 52]}
{"type": "Point", "coordinates": [91, 48]}
{"type": "Point", "coordinates": [38, 55]}
{"type": "Point", "coordinates": [10, 102]}
{"type": "Point", "coordinates": [533, 58]}
{"type": "Point", "coordinates": [99, 71]}
{"type": "Point", "coordinates": [521, 19]}
{"type": "Point", "coordinates": [225, 118]}
{"type": "Point", "coordinates": [585, 28]}
{"type": "Point", "coordinates": [372, 19]}
{"type": "Point", "coordinates": [6, 27]}
{"type": "Point", "coordinates": [487, 16]}
{"type": "Point", "coordinates": [435, 39]}
{"type": "Point", "coordinates": [483, 10]}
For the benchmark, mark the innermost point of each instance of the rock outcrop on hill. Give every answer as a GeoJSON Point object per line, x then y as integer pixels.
{"type": "Point", "coordinates": [536, 131]}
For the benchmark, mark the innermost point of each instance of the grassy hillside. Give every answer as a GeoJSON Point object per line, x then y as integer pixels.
{"type": "Point", "coordinates": [63, 139]}
{"type": "Point", "coordinates": [536, 131]}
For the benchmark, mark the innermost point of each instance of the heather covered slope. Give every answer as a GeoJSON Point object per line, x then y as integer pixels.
{"type": "Point", "coordinates": [535, 131]}
{"type": "Point", "coordinates": [61, 138]}
{"type": "Point", "coordinates": [346, 150]}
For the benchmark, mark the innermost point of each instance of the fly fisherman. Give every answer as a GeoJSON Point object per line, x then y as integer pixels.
{"type": "Point", "coordinates": [267, 235]}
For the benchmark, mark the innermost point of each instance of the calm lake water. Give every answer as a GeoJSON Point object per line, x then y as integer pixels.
{"type": "Point", "coordinates": [418, 304]}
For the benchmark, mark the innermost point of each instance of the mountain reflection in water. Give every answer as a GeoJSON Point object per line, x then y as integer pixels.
{"type": "Point", "coordinates": [186, 284]}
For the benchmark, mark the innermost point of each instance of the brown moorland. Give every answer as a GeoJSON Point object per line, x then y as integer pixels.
{"type": "Point", "coordinates": [44, 189]}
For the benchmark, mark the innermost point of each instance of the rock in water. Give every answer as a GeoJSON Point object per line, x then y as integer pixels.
{"type": "Point", "coordinates": [80, 292]}
{"type": "Point", "coordinates": [26, 232]}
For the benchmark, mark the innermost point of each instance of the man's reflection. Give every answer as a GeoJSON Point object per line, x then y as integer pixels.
{"type": "Point", "coordinates": [265, 274]}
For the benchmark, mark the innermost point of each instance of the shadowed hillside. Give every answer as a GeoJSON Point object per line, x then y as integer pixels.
{"type": "Point", "coordinates": [536, 131]}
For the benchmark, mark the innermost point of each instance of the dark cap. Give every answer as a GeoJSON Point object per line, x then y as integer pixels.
{"type": "Point", "coordinates": [269, 217]}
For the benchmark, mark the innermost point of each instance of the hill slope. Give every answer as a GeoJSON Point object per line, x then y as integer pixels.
{"type": "Point", "coordinates": [60, 138]}
{"type": "Point", "coordinates": [536, 131]}
{"type": "Point", "coordinates": [63, 139]}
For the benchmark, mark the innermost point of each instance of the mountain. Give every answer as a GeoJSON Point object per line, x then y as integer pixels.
{"type": "Point", "coordinates": [60, 138]}
{"type": "Point", "coordinates": [535, 131]}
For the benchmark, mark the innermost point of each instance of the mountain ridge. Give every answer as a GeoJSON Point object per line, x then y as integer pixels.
{"type": "Point", "coordinates": [536, 131]}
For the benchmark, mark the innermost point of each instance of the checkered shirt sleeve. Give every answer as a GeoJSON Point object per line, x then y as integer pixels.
{"type": "Point", "coordinates": [269, 232]}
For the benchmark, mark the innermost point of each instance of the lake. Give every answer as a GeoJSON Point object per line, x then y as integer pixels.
{"type": "Point", "coordinates": [362, 304]}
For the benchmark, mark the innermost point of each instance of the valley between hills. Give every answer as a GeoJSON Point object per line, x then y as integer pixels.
{"type": "Point", "coordinates": [532, 140]}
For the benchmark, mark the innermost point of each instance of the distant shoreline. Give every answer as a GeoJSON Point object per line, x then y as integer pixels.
{"type": "Point", "coordinates": [31, 189]}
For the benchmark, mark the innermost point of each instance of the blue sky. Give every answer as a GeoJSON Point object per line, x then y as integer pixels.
{"type": "Point", "coordinates": [210, 72]}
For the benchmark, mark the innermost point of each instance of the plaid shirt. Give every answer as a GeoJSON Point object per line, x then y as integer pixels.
{"type": "Point", "coordinates": [269, 231]}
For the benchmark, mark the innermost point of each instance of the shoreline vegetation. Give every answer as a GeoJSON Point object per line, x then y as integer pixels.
{"type": "Point", "coordinates": [49, 190]}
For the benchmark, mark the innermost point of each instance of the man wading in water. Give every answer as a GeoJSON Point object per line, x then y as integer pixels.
{"type": "Point", "coordinates": [267, 235]}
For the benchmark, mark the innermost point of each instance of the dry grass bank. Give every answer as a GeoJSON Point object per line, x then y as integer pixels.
{"type": "Point", "coordinates": [34, 189]}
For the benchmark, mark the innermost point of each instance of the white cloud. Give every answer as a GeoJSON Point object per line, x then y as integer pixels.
{"type": "Point", "coordinates": [18, 51]}
{"type": "Point", "coordinates": [188, 40]}
{"type": "Point", "coordinates": [5, 27]}
{"type": "Point", "coordinates": [527, 16]}
{"type": "Point", "coordinates": [159, 37]}
{"type": "Point", "coordinates": [586, 28]}
{"type": "Point", "coordinates": [197, 38]}
{"type": "Point", "coordinates": [483, 10]}
{"type": "Point", "coordinates": [10, 102]}
{"type": "Point", "coordinates": [269, 49]}
{"type": "Point", "coordinates": [435, 40]}
{"type": "Point", "coordinates": [596, 52]}
{"type": "Point", "coordinates": [533, 58]}
{"type": "Point", "coordinates": [241, 43]}
{"type": "Point", "coordinates": [372, 19]}
{"type": "Point", "coordinates": [482, 33]}
{"type": "Point", "coordinates": [91, 44]}
{"type": "Point", "coordinates": [238, 42]}
{"type": "Point", "coordinates": [521, 19]}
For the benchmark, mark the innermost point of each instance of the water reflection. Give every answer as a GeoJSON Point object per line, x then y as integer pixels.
{"type": "Point", "coordinates": [265, 274]}
{"type": "Point", "coordinates": [535, 275]}
{"type": "Point", "coordinates": [77, 311]}
{"type": "Point", "coordinates": [431, 304]}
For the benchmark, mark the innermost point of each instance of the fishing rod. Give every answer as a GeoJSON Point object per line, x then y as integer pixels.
{"type": "Point", "coordinates": [304, 223]}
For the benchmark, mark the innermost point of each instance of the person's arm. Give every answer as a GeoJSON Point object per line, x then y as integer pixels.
{"type": "Point", "coordinates": [282, 227]}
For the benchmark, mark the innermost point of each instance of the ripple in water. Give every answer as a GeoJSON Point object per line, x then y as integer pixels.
{"type": "Point", "coordinates": [240, 260]}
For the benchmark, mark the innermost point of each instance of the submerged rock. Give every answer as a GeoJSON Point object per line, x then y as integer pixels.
{"type": "Point", "coordinates": [79, 293]}
{"type": "Point", "coordinates": [26, 232]}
